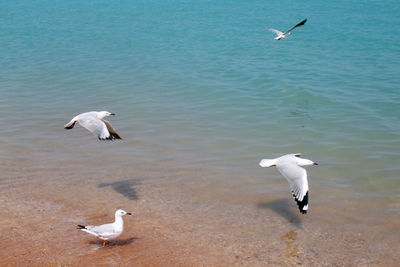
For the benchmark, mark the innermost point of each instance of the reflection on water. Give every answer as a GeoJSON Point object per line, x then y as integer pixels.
{"type": "Point", "coordinates": [291, 250]}
{"type": "Point", "coordinates": [112, 243]}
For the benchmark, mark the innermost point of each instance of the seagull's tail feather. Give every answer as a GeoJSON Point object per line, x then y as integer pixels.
{"type": "Point", "coordinates": [267, 163]}
{"type": "Point", "coordinates": [83, 228]}
{"type": "Point", "coordinates": [70, 125]}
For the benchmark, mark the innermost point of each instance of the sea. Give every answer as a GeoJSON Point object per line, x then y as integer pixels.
{"type": "Point", "coordinates": [201, 88]}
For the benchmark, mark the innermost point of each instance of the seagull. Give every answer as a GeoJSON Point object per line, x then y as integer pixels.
{"type": "Point", "coordinates": [281, 35]}
{"type": "Point", "coordinates": [107, 231]}
{"type": "Point", "coordinates": [94, 122]}
{"type": "Point", "coordinates": [290, 167]}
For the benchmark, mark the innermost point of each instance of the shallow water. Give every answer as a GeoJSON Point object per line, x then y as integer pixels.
{"type": "Point", "coordinates": [202, 92]}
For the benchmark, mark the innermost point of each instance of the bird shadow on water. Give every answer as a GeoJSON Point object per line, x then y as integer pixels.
{"type": "Point", "coordinates": [112, 243]}
{"type": "Point", "coordinates": [124, 188]}
{"type": "Point", "coordinates": [283, 208]}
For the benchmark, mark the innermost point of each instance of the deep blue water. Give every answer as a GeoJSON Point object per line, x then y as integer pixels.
{"type": "Point", "coordinates": [202, 83]}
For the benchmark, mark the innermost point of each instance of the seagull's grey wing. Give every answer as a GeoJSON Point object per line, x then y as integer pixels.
{"type": "Point", "coordinates": [95, 126]}
{"type": "Point", "coordinates": [276, 31]}
{"type": "Point", "coordinates": [297, 25]}
{"type": "Point", "coordinates": [297, 178]}
{"type": "Point", "coordinates": [113, 133]}
{"type": "Point", "coordinates": [101, 230]}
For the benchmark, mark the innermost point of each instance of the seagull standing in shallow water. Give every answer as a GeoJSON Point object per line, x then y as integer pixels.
{"type": "Point", "coordinates": [94, 122]}
{"type": "Point", "coordinates": [281, 35]}
{"type": "Point", "coordinates": [290, 167]}
{"type": "Point", "coordinates": [107, 231]}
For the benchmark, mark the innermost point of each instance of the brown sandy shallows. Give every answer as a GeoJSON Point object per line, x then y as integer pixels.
{"type": "Point", "coordinates": [181, 222]}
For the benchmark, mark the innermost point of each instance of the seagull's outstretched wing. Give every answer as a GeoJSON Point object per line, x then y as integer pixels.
{"type": "Point", "coordinates": [297, 178]}
{"type": "Point", "coordinates": [95, 126]}
{"type": "Point", "coordinates": [113, 133]}
{"type": "Point", "coordinates": [276, 31]}
{"type": "Point", "coordinates": [297, 25]}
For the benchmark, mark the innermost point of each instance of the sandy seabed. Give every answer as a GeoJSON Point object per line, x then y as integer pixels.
{"type": "Point", "coordinates": [181, 221]}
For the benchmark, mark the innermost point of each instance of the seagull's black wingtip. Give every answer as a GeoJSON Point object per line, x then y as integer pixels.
{"type": "Point", "coordinates": [112, 137]}
{"type": "Point", "coordinates": [303, 205]}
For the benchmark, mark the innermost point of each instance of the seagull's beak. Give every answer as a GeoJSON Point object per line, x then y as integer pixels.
{"type": "Point", "coordinates": [128, 213]}
{"type": "Point", "coordinates": [112, 114]}
{"type": "Point", "coordinates": [315, 163]}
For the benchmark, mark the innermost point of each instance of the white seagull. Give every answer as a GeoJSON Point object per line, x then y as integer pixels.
{"type": "Point", "coordinates": [94, 122]}
{"type": "Point", "coordinates": [289, 166]}
{"type": "Point", "coordinates": [281, 35]}
{"type": "Point", "coordinates": [107, 231]}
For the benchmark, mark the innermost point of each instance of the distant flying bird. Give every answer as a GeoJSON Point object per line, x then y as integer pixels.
{"type": "Point", "coordinates": [290, 167]}
{"type": "Point", "coordinates": [94, 122]}
{"type": "Point", "coordinates": [281, 35]}
{"type": "Point", "coordinates": [107, 231]}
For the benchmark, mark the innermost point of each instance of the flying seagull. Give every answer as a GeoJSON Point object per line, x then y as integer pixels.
{"type": "Point", "coordinates": [281, 35]}
{"type": "Point", "coordinates": [290, 167]}
{"type": "Point", "coordinates": [94, 122]}
{"type": "Point", "coordinates": [107, 231]}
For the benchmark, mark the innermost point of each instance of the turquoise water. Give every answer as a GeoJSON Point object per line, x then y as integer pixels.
{"type": "Point", "coordinates": [202, 84]}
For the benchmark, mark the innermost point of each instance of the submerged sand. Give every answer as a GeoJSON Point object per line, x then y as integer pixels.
{"type": "Point", "coordinates": [183, 218]}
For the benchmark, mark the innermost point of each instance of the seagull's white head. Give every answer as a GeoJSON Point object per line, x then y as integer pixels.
{"type": "Point", "coordinates": [305, 162]}
{"type": "Point", "coordinates": [103, 114]}
{"type": "Point", "coordinates": [121, 213]}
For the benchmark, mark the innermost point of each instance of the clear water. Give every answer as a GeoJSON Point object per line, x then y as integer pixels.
{"type": "Point", "coordinates": [202, 84]}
